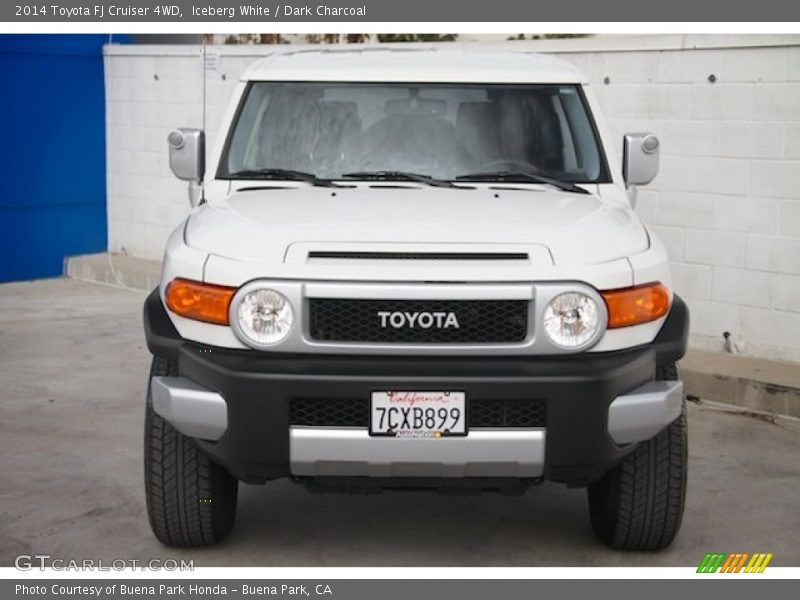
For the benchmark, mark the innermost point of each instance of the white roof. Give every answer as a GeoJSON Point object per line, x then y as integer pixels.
{"type": "Point", "coordinates": [411, 63]}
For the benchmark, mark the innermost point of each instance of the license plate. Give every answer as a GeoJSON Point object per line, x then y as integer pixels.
{"type": "Point", "coordinates": [418, 414]}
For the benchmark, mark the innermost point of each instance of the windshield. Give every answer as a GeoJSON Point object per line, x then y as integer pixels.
{"type": "Point", "coordinates": [440, 130]}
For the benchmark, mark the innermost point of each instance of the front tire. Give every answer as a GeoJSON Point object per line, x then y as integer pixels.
{"type": "Point", "coordinates": [191, 500]}
{"type": "Point", "coordinates": [638, 505]}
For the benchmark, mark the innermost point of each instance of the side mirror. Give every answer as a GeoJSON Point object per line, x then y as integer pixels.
{"type": "Point", "coordinates": [187, 153]}
{"type": "Point", "coordinates": [639, 158]}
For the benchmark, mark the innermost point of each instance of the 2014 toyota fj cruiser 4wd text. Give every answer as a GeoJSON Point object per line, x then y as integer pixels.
{"type": "Point", "coordinates": [415, 268]}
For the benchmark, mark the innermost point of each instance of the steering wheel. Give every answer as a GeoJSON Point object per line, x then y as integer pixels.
{"type": "Point", "coordinates": [510, 164]}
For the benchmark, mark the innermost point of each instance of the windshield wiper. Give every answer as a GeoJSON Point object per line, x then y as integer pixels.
{"type": "Point", "coordinates": [523, 176]}
{"type": "Point", "coordinates": [398, 176]}
{"type": "Point", "coordinates": [287, 174]}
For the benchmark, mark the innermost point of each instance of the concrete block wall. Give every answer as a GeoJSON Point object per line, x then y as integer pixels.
{"type": "Point", "coordinates": [150, 90]}
{"type": "Point", "coordinates": [727, 198]}
{"type": "Point", "coordinates": [726, 201]}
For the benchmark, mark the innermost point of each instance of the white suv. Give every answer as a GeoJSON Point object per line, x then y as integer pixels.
{"type": "Point", "coordinates": [415, 268]}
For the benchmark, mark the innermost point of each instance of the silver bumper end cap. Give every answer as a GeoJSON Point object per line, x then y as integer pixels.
{"type": "Point", "coordinates": [191, 409]}
{"type": "Point", "coordinates": [642, 413]}
{"type": "Point", "coordinates": [329, 451]}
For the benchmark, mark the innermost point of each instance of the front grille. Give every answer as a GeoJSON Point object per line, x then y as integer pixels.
{"type": "Point", "coordinates": [506, 413]}
{"type": "Point", "coordinates": [329, 412]}
{"type": "Point", "coordinates": [419, 255]}
{"type": "Point", "coordinates": [354, 412]}
{"type": "Point", "coordinates": [479, 321]}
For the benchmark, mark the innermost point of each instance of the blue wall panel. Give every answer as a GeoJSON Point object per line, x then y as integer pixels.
{"type": "Point", "coordinates": [52, 152]}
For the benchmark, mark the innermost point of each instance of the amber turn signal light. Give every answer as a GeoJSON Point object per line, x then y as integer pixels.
{"type": "Point", "coordinates": [636, 305]}
{"type": "Point", "coordinates": [199, 301]}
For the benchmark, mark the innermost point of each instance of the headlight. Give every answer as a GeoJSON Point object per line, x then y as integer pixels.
{"type": "Point", "coordinates": [264, 316]}
{"type": "Point", "coordinates": [571, 319]}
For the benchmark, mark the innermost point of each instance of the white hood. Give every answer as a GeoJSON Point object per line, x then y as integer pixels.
{"type": "Point", "coordinates": [261, 225]}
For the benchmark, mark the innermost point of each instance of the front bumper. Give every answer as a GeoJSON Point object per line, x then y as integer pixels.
{"type": "Point", "coordinates": [237, 405]}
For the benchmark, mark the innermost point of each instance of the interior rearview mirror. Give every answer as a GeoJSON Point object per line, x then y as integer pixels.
{"type": "Point", "coordinates": [640, 158]}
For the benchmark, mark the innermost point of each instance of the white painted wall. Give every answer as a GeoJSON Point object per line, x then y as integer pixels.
{"type": "Point", "coordinates": [726, 202]}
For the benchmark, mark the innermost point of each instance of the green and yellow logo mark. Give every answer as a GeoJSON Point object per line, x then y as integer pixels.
{"type": "Point", "coordinates": [721, 562]}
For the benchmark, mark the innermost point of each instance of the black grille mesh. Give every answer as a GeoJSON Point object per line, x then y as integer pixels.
{"type": "Point", "coordinates": [480, 321]}
{"type": "Point", "coordinates": [353, 412]}
{"type": "Point", "coordinates": [506, 413]}
{"type": "Point", "coordinates": [329, 412]}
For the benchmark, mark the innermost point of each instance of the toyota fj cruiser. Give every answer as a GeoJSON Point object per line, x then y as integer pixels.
{"type": "Point", "coordinates": [415, 268]}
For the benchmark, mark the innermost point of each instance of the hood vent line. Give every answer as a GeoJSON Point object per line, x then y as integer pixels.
{"type": "Point", "coordinates": [418, 255]}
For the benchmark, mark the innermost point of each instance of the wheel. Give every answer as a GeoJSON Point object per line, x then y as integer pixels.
{"type": "Point", "coordinates": [191, 501]}
{"type": "Point", "coordinates": [638, 505]}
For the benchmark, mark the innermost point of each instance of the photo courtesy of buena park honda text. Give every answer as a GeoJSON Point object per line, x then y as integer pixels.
{"type": "Point", "coordinates": [399, 299]}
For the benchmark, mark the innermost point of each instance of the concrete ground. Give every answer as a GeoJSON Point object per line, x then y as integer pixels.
{"type": "Point", "coordinates": [73, 372]}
